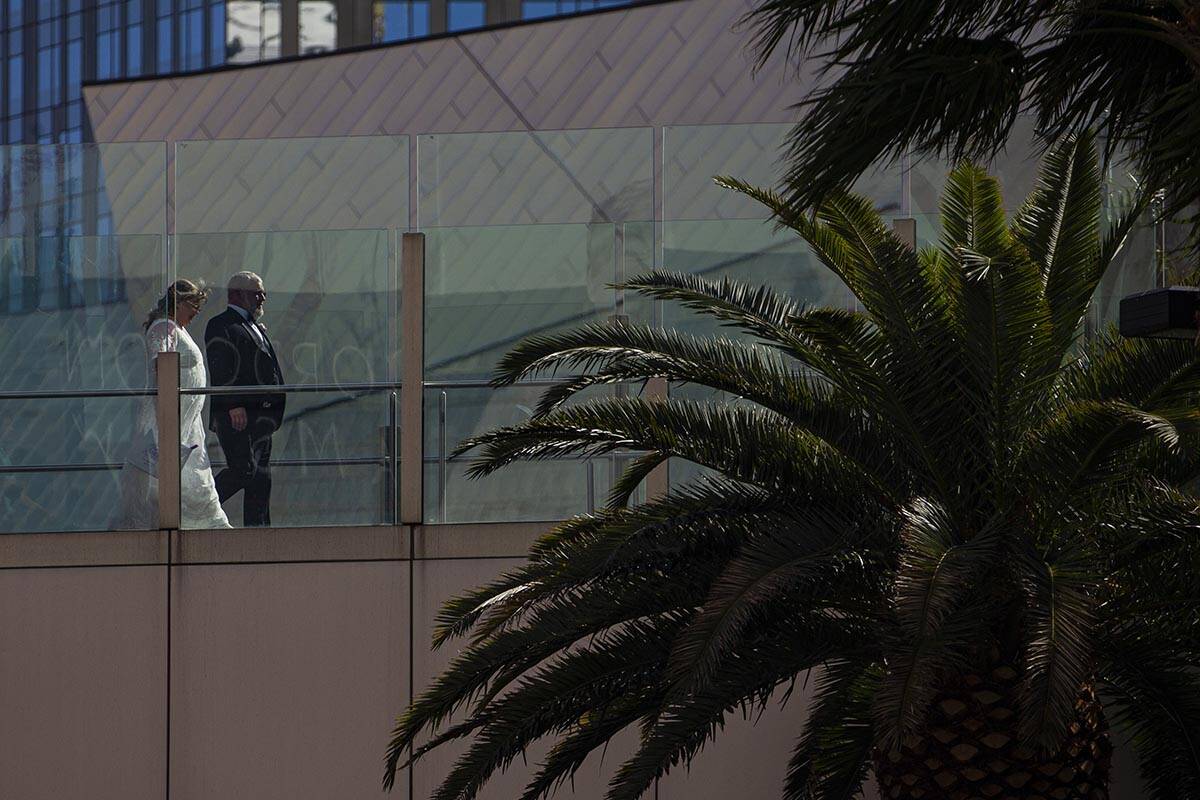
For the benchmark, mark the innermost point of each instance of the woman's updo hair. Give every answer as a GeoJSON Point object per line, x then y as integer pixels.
{"type": "Point", "coordinates": [180, 291]}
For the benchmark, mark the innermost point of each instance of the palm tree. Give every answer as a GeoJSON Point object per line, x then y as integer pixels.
{"type": "Point", "coordinates": [968, 524]}
{"type": "Point", "coordinates": [949, 78]}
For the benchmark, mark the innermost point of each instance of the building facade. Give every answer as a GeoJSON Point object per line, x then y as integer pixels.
{"type": "Point", "coordinates": [414, 208]}
{"type": "Point", "coordinates": [50, 48]}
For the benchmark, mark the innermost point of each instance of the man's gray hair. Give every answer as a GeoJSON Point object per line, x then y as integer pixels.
{"type": "Point", "coordinates": [245, 281]}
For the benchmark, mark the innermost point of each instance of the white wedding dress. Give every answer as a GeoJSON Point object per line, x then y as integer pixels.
{"type": "Point", "coordinates": [199, 505]}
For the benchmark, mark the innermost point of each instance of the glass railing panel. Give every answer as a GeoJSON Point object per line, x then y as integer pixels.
{"type": "Point", "coordinates": [523, 491]}
{"type": "Point", "coordinates": [315, 219]}
{"type": "Point", "coordinates": [72, 310]}
{"type": "Point", "coordinates": [716, 232]}
{"type": "Point", "coordinates": [82, 259]}
{"type": "Point", "coordinates": [749, 251]}
{"type": "Point", "coordinates": [76, 464]}
{"type": "Point", "coordinates": [600, 175]}
{"type": "Point", "coordinates": [331, 311]}
{"type": "Point", "coordinates": [327, 183]}
{"type": "Point", "coordinates": [525, 234]}
{"type": "Point", "coordinates": [333, 461]}
{"type": "Point", "coordinates": [318, 221]}
{"type": "Point", "coordinates": [694, 154]}
{"type": "Point", "coordinates": [115, 188]}
{"type": "Point", "coordinates": [1016, 168]}
{"type": "Point", "coordinates": [486, 288]}
{"type": "Point", "coordinates": [1135, 269]}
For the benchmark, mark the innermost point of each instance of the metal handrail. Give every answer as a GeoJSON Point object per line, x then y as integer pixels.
{"type": "Point", "coordinates": [293, 388]}
{"type": "Point", "coordinates": [480, 384]}
{"type": "Point", "coordinates": [82, 394]}
{"type": "Point", "coordinates": [108, 466]}
{"type": "Point", "coordinates": [360, 461]}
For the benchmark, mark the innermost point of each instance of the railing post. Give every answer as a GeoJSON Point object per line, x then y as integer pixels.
{"type": "Point", "coordinates": [387, 437]}
{"type": "Point", "coordinates": [905, 229]}
{"type": "Point", "coordinates": [412, 382]}
{"type": "Point", "coordinates": [167, 417]}
{"type": "Point", "coordinates": [658, 482]}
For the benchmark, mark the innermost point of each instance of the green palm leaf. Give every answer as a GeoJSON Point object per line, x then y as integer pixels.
{"type": "Point", "coordinates": [942, 490]}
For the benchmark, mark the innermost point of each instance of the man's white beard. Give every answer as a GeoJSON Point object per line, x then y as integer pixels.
{"type": "Point", "coordinates": [256, 314]}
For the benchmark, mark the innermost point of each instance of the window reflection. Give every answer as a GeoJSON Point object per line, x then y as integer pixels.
{"type": "Point", "coordinates": [463, 14]}
{"type": "Point", "coordinates": [397, 20]}
{"type": "Point", "coordinates": [534, 9]}
{"type": "Point", "coordinates": [108, 42]}
{"type": "Point", "coordinates": [318, 26]}
{"type": "Point", "coordinates": [191, 35]}
{"type": "Point", "coordinates": [252, 31]}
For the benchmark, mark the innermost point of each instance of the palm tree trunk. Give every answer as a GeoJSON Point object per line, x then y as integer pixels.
{"type": "Point", "coordinates": [973, 749]}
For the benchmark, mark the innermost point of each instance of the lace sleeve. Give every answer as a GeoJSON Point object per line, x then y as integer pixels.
{"type": "Point", "coordinates": [162, 337]}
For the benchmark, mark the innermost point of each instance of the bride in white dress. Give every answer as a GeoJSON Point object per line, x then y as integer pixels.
{"type": "Point", "coordinates": [166, 331]}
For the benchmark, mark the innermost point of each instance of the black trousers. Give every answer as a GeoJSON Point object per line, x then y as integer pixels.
{"type": "Point", "coordinates": [248, 453]}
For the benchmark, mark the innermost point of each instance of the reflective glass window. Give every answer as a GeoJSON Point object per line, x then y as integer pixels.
{"type": "Point", "coordinates": [464, 14]}
{"type": "Point", "coordinates": [47, 76]}
{"type": "Point", "coordinates": [191, 39]}
{"type": "Point", "coordinates": [108, 55]}
{"type": "Point", "coordinates": [253, 31]}
{"type": "Point", "coordinates": [164, 44]}
{"type": "Point", "coordinates": [133, 59]}
{"type": "Point", "coordinates": [16, 87]}
{"type": "Point", "coordinates": [47, 34]}
{"type": "Point", "coordinates": [534, 9]}
{"type": "Point", "coordinates": [318, 26]}
{"type": "Point", "coordinates": [272, 31]}
{"type": "Point", "coordinates": [74, 68]}
{"type": "Point", "coordinates": [397, 20]}
{"type": "Point", "coordinates": [216, 54]}
{"type": "Point", "coordinates": [243, 31]}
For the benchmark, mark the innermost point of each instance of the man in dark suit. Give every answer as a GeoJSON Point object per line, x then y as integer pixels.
{"type": "Point", "coordinates": [240, 354]}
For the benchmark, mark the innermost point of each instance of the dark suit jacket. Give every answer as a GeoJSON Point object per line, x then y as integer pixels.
{"type": "Point", "coordinates": [236, 359]}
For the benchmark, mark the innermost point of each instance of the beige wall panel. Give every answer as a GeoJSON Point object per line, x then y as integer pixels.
{"type": "Point", "coordinates": [436, 582]}
{"type": "Point", "coordinates": [83, 675]}
{"type": "Point", "coordinates": [675, 63]}
{"type": "Point", "coordinates": [721, 770]}
{"type": "Point", "coordinates": [286, 679]}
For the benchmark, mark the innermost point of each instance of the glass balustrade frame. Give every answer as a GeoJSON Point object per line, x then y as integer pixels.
{"type": "Point", "coordinates": [404, 306]}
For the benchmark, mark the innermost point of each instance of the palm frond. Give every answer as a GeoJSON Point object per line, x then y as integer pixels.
{"type": "Point", "coordinates": [572, 686]}
{"type": "Point", "coordinates": [769, 572]}
{"type": "Point", "coordinates": [759, 310]}
{"type": "Point", "coordinates": [1155, 701]}
{"type": "Point", "coordinates": [681, 728]}
{"type": "Point", "coordinates": [830, 760]}
{"type": "Point", "coordinates": [1058, 226]}
{"type": "Point", "coordinates": [934, 624]}
{"type": "Point", "coordinates": [1059, 642]}
{"type": "Point", "coordinates": [745, 444]}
